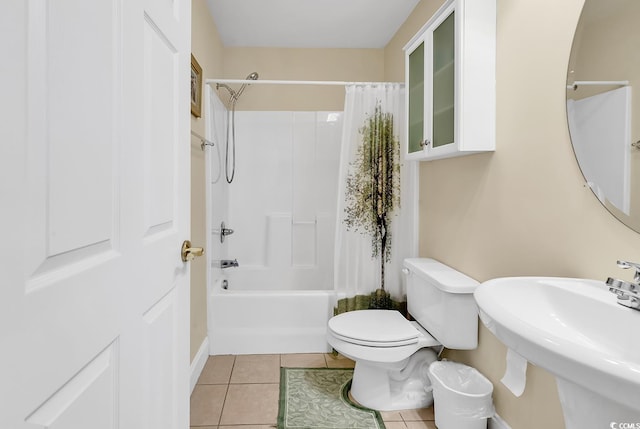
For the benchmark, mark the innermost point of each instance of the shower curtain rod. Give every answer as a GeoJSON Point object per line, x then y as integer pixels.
{"type": "Point", "coordinates": [293, 82]}
{"type": "Point", "coordinates": [578, 83]}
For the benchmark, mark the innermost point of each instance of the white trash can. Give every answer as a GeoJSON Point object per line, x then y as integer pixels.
{"type": "Point", "coordinates": [461, 396]}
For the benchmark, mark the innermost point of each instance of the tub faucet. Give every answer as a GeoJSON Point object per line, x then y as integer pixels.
{"type": "Point", "coordinates": [628, 293]}
{"type": "Point", "coordinates": [228, 263]}
{"type": "Point", "coordinates": [224, 231]}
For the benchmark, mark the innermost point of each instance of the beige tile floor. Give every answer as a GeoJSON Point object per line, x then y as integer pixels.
{"type": "Point", "coordinates": [241, 392]}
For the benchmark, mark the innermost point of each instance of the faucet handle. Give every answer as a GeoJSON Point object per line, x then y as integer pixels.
{"type": "Point", "coordinates": [626, 265]}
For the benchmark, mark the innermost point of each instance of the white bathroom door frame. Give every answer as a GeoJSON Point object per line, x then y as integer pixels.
{"type": "Point", "coordinates": [94, 206]}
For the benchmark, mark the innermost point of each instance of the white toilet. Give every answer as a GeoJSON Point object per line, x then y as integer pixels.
{"type": "Point", "coordinates": [392, 354]}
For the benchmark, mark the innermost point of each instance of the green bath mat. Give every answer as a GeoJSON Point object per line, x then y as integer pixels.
{"type": "Point", "coordinates": [316, 398]}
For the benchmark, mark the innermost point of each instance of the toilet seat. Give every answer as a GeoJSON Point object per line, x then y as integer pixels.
{"type": "Point", "coordinates": [375, 328]}
{"type": "Point", "coordinates": [377, 336]}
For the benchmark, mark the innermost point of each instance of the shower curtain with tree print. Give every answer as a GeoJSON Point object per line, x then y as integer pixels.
{"type": "Point", "coordinates": [356, 271]}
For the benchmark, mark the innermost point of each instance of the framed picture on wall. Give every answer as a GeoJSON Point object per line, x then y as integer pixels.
{"type": "Point", "coordinates": [196, 87]}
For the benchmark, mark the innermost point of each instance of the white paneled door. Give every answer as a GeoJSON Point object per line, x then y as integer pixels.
{"type": "Point", "coordinates": [94, 194]}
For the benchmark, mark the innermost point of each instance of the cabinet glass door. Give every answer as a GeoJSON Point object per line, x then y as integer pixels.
{"type": "Point", "coordinates": [416, 98]}
{"type": "Point", "coordinates": [443, 115]}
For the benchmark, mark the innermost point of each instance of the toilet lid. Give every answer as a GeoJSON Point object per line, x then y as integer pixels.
{"type": "Point", "coordinates": [378, 328]}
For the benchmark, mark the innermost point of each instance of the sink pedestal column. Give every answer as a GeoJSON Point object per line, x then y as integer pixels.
{"type": "Point", "coordinates": [584, 409]}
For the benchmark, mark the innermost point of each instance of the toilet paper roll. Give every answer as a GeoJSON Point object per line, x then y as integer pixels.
{"type": "Point", "coordinates": [515, 377]}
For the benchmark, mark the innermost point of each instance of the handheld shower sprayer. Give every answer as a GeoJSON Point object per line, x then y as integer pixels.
{"type": "Point", "coordinates": [252, 76]}
{"type": "Point", "coordinates": [233, 94]}
{"type": "Point", "coordinates": [233, 97]}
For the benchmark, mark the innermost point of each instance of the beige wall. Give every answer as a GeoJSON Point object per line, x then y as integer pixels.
{"type": "Point", "coordinates": [522, 210]}
{"type": "Point", "coordinates": [300, 64]}
{"type": "Point", "coordinates": [207, 49]}
{"type": "Point", "coordinates": [393, 53]}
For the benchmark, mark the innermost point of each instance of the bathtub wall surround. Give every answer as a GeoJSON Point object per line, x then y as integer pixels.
{"type": "Point", "coordinates": [217, 189]}
{"type": "Point", "coordinates": [282, 202]}
{"type": "Point", "coordinates": [276, 294]}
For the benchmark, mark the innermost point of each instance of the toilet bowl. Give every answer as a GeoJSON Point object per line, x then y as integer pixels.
{"type": "Point", "coordinates": [393, 354]}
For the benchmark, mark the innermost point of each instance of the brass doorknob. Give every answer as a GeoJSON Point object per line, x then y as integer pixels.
{"type": "Point", "coordinates": [190, 253]}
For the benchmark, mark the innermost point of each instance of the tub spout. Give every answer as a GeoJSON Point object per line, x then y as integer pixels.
{"type": "Point", "coordinates": [228, 263]}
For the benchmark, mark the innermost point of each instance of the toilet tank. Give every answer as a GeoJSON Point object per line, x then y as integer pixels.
{"type": "Point", "coordinates": [441, 300]}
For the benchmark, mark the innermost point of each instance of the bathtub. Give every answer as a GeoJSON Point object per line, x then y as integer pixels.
{"type": "Point", "coordinates": [267, 321]}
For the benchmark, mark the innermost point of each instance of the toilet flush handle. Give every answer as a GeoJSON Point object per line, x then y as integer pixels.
{"type": "Point", "coordinates": [405, 271]}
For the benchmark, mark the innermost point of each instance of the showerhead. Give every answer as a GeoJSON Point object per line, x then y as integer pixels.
{"type": "Point", "coordinates": [252, 76]}
{"type": "Point", "coordinates": [234, 95]}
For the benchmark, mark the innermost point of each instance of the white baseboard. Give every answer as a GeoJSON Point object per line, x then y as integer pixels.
{"type": "Point", "coordinates": [496, 422]}
{"type": "Point", "coordinates": [199, 360]}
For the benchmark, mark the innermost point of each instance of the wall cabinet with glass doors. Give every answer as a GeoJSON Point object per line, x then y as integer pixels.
{"type": "Point", "coordinates": [450, 82]}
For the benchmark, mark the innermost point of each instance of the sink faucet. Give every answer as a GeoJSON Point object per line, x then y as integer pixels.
{"type": "Point", "coordinates": [628, 293]}
{"type": "Point", "coordinates": [228, 263]}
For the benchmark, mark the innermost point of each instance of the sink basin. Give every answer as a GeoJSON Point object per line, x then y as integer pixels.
{"type": "Point", "coordinates": [575, 329]}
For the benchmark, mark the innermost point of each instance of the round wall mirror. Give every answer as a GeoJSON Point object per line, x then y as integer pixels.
{"type": "Point", "coordinates": [602, 111]}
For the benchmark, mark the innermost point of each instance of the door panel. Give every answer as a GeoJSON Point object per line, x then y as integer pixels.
{"type": "Point", "coordinates": [160, 133]}
{"type": "Point", "coordinates": [71, 208]}
{"type": "Point", "coordinates": [161, 336]}
{"type": "Point", "coordinates": [94, 169]}
{"type": "Point", "coordinates": [87, 400]}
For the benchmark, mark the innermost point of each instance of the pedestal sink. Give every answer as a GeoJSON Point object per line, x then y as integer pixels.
{"type": "Point", "coordinates": [574, 329]}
